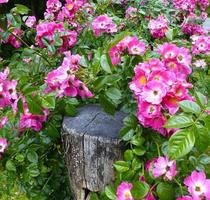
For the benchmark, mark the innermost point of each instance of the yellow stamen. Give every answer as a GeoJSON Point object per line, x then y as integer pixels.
{"type": "Point", "coordinates": [142, 80]}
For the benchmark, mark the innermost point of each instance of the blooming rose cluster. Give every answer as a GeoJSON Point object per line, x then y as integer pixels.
{"type": "Point", "coordinates": [198, 186]}
{"type": "Point", "coordinates": [158, 27]}
{"type": "Point", "coordinates": [192, 29]}
{"type": "Point", "coordinates": [29, 120]}
{"type": "Point", "coordinates": [47, 30]}
{"type": "Point", "coordinates": [129, 43]}
{"type": "Point", "coordinates": [162, 166]}
{"type": "Point", "coordinates": [159, 85]}
{"type": "Point", "coordinates": [63, 79]}
{"type": "Point", "coordinates": [103, 24]}
{"type": "Point", "coordinates": [188, 8]}
{"type": "Point", "coordinates": [190, 5]}
{"type": "Point", "coordinates": [200, 44]}
{"type": "Point", "coordinates": [56, 11]}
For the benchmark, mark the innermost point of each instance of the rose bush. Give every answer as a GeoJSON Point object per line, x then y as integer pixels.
{"type": "Point", "coordinates": [148, 58]}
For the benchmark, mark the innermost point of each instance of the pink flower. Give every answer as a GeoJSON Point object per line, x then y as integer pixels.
{"type": "Point", "coordinates": [103, 24]}
{"type": "Point", "coordinates": [123, 44]}
{"type": "Point", "coordinates": [171, 103]}
{"type": "Point", "coordinates": [150, 196]}
{"type": "Point", "coordinates": [156, 123]}
{"type": "Point", "coordinates": [183, 56]}
{"type": "Point", "coordinates": [3, 121]}
{"type": "Point", "coordinates": [168, 51]}
{"type": "Point", "coordinates": [27, 60]}
{"type": "Point", "coordinates": [83, 91]}
{"type": "Point", "coordinates": [200, 63]}
{"type": "Point", "coordinates": [154, 92]}
{"type": "Point", "coordinates": [139, 81]}
{"type": "Point", "coordinates": [130, 12]}
{"type": "Point", "coordinates": [192, 29]}
{"type": "Point", "coordinates": [163, 166]}
{"type": "Point", "coordinates": [63, 80]}
{"type": "Point", "coordinates": [188, 5]}
{"type": "Point", "coordinates": [198, 185]}
{"type": "Point", "coordinates": [201, 44]}
{"type": "Point", "coordinates": [114, 55]}
{"type": "Point", "coordinates": [149, 110]}
{"type": "Point", "coordinates": [13, 40]}
{"type": "Point", "coordinates": [8, 94]}
{"type": "Point", "coordinates": [31, 21]}
{"type": "Point", "coordinates": [3, 145]}
{"type": "Point", "coordinates": [31, 121]}
{"type": "Point", "coordinates": [135, 47]}
{"type": "Point", "coordinates": [124, 191]}
{"type": "Point", "coordinates": [158, 27]}
{"type": "Point", "coordinates": [4, 1]}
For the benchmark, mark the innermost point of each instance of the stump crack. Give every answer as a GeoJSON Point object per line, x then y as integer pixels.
{"type": "Point", "coordinates": [90, 122]}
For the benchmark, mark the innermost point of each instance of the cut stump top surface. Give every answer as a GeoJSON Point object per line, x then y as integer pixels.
{"type": "Point", "coordinates": [92, 120]}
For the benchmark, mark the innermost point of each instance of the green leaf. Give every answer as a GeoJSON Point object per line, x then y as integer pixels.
{"type": "Point", "coordinates": [21, 9]}
{"type": "Point", "coordinates": [32, 156]}
{"type": "Point", "coordinates": [34, 105]}
{"type": "Point", "coordinates": [140, 190]}
{"type": "Point", "coordinates": [109, 79]}
{"type": "Point", "coordinates": [33, 170]}
{"type": "Point", "coordinates": [126, 133]}
{"type": "Point", "coordinates": [204, 159]}
{"type": "Point", "coordinates": [70, 110]}
{"type": "Point", "coordinates": [121, 166]}
{"type": "Point", "coordinates": [53, 132]}
{"type": "Point", "coordinates": [20, 106]}
{"type": "Point", "coordinates": [110, 193]}
{"type": "Point", "coordinates": [170, 34]}
{"type": "Point", "coordinates": [202, 138]}
{"type": "Point", "coordinates": [190, 107]}
{"type": "Point", "coordinates": [106, 104]}
{"type": "Point", "coordinates": [49, 101]}
{"type": "Point", "coordinates": [93, 196]}
{"type": "Point", "coordinates": [179, 121]}
{"type": "Point", "coordinates": [58, 41]}
{"type": "Point", "coordinates": [10, 166]}
{"type": "Point", "coordinates": [139, 151]}
{"type": "Point", "coordinates": [105, 64]}
{"type": "Point", "coordinates": [180, 143]}
{"type": "Point", "coordinates": [114, 93]}
{"type": "Point", "coordinates": [165, 191]}
{"type": "Point", "coordinates": [137, 140]}
{"type": "Point", "coordinates": [19, 157]}
{"type": "Point", "coordinates": [29, 89]}
{"type": "Point", "coordinates": [201, 99]}
{"type": "Point", "coordinates": [3, 22]}
{"type": "Point", "coordinates": [130, 121]}
{"type": "Point", "coordinates": [128, 155]}
{"type": "Point", "coordinates": [136, 164]}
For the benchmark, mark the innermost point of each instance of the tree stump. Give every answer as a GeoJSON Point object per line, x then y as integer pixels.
{"type": "Point", "coordinates": [91, 146]}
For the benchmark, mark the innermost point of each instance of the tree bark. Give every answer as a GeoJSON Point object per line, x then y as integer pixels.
{"type": "Point", "coordinates": [91, 145]}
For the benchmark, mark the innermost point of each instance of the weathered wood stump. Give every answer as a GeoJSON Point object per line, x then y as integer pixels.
{"type": "Point", "coordinates": [91, 145]}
